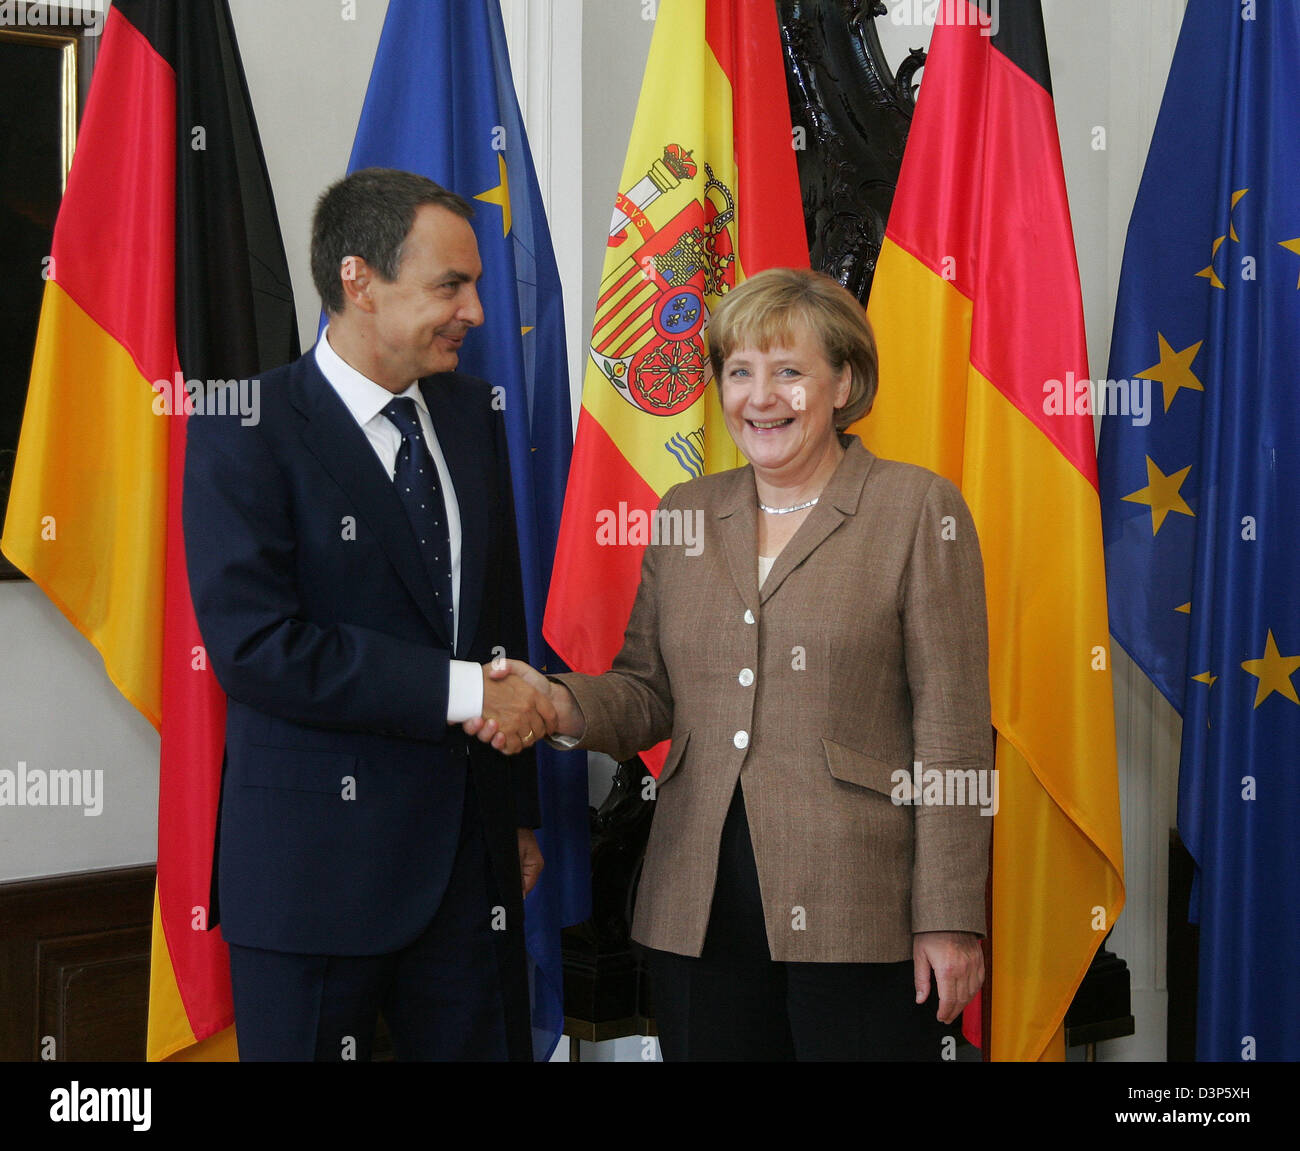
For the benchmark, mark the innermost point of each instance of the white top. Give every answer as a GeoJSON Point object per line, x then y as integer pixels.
{"type": "Point", "coordinates": [764, 567]}
{"type": "Point", "coordinates": [366, 400]}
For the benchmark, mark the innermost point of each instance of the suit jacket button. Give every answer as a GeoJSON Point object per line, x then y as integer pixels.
{"type": "Point", "coordinates": [749, 616]}
{"type": "Point", "coordinates": [741, 739]}
{"type": "Point", "coordinates": [746, 677]}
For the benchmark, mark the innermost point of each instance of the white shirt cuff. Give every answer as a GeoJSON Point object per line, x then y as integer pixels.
{"type": "Point", "coordinates": [563, 742]}
{"type": "Point", "coordinates": [464, 691]}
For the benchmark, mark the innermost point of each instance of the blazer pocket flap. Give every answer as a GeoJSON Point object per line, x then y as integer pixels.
{"type": "Point", "coordinates": [675, 753]}
{"type": "Point", "coordinates": [864, 770]}
{"type": "Point", "coordinates": [292, 769]}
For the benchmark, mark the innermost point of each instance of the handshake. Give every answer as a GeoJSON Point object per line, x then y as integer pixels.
{"type": "Point", "coordinates": [521, 706]}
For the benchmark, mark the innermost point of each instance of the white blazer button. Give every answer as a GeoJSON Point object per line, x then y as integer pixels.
{"type": "Point", "coordinates": [749, 616]}
{"type": "Point", "coordinates": [746, 677]}
{"type": "Point", "coordinates": [741, 739]}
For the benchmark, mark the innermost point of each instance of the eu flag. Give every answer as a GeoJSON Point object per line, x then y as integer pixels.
{"type": "Point", "coordinates": [441, 102]}
{"type": "Point", "coordinates": [1201, 503]}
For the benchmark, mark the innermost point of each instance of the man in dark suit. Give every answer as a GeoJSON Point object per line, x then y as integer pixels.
{"type": "Point", "coordinates": [353, 566]}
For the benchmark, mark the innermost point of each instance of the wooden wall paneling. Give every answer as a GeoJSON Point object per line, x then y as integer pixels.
{"type": "Point", "coordinates": [74, 965]}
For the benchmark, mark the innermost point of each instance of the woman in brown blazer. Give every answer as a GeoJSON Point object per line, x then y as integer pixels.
{"type": "Point", "coordinates": [817, 651]}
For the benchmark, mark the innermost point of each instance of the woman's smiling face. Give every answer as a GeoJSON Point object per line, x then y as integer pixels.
{"type": "Point", "coordinates": [780, 404]}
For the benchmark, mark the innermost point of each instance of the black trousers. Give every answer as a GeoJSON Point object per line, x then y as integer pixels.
{"type": "Point", "coordinates": [734, 1003]}
{"type": "Point", "coordinates": [441, 995]}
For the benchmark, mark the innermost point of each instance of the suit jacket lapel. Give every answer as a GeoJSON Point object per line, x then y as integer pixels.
{"type": "Point", "coordinates": [332, 436]}
{"type": "Point", "coordinates": [470, 476]}
{"type": "Point", "coordinates": [839, 500]}
{"type": "Point", "coordinates": [737, 517]}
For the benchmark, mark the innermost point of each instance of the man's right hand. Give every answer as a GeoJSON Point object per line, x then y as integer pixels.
{"type": "Point", "coordinates": [519, 713]}
{"type": "Point", "coordinates": [570, 720]}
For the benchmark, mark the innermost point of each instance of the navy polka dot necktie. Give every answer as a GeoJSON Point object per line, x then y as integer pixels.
{"type": "Point", "coordinates": [416, 480]}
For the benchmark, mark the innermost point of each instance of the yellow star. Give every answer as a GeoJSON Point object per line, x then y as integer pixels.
{"type": "Point", "coordinates": [525, 330]}
{"type": "Point", "coordinates": [1292, 246]}
{"type": "Point", "coordinates": [1208, 271]}
{"type": "Point", "coordinates": [1206, 678]}
{"type": "Point", "coordinates": [1174, 369]}
{"type": "Point", "coordinates": [1185, 608]}
{"type": "Point", "coordinates": [1161, 494]}
{"type": "Point", "coordinates": [1274, 671]}
{"type": "Point", "coordinates": [500, 195]}
{"type": "Point", "coordinates": [1236, 198]}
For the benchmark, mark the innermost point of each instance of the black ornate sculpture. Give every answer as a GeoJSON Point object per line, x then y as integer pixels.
{"type": "Point", "coordinates": [851, 117]}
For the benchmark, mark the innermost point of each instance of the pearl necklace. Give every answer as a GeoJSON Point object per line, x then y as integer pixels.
{"type": "Point", "coordinates": [787, 511]}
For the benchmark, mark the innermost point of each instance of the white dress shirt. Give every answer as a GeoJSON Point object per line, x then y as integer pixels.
{"type": "Point", "coordinates": [366, 400]}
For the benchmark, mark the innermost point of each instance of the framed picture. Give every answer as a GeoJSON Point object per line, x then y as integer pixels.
{"type": "Point", "coordinates": [46, 54]}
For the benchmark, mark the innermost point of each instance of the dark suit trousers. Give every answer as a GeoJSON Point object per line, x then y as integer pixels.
{"type": "Point", "coordinates": [440, 995]}
{"type": "Point", "coordinates": [734, 1003]}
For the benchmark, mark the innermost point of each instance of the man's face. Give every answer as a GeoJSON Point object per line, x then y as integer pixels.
{"type": "Point", "coordinates": [421, 317]}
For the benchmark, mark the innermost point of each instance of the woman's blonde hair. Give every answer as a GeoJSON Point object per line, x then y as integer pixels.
{"type": "Point", "coordinates": [768, 309]}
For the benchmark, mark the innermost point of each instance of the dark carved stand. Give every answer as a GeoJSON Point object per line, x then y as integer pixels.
{"type": "Point", "coordinates": [606, 989]}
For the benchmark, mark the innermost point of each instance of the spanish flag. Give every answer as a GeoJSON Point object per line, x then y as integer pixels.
{"type": "Point", "coordinates": [709, 195]}
{"type": "Point", "coordinates": [979, 321]}
{"type": "Point", "coordinates": [168, 275]}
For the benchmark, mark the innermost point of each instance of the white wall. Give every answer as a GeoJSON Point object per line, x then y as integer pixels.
{"type": "Point", "coordinates": [58, 712]}
{"type": "Point", "coordinates": [307, 68]}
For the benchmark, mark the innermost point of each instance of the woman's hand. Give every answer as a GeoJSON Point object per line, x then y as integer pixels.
{"type": "Point", "coordinates": [957, 960]}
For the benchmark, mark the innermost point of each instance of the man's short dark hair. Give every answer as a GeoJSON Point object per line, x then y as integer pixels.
{"type": "Point", "coordinates": [369, 214]}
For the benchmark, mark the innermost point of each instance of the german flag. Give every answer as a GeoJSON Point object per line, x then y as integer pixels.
{"type": "Point", "coordinates": [709, 195]}
{"type": "Point", "coordinates": [978, 316]}
{"type": "Point", "coordinates": [168, 275]}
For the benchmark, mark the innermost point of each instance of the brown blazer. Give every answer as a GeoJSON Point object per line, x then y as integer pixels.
{"type": "Point", "coordinates": [866, 649]}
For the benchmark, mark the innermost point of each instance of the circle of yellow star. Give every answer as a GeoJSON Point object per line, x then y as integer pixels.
{"type": "Point", "coordinates": [1174, 369]}
{"type": "Point", "coordinates": [1274, 671]}
{"type": "Point", "coordinates": [500, 195]}
{"type": "Point", "coordinates": [1161, 494]}
{"type": "Point", "coordinates": [1208, 272]}
{"type": "Point", "coordinates": [1292, 246]}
